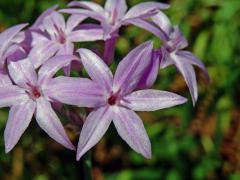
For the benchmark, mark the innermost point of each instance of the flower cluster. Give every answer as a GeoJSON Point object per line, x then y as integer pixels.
{"type": "Point", "coordinates": [30, 58]}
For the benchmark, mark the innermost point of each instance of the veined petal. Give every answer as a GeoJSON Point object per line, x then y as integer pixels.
{"type": "Point", "coordinates": [11, 95]}
{"type": "Point", "coordinates": [81, 92]}
{"type": "Point", "coordinates": [163, 22]}
{"type": "Point", "coordinates": [54, 22]}
{"type": "Point", "coordinates": [189, 58]}
{"type": "Point", "coordinates": [73, 21]}
{"type": "Point", "coordinates": [7, 36]}
{"type": "Point", "coordinates": [151, 100]}
{"type": "Point", "coordinates": [149, 27]}
{"type": "Point", "coordinates": [86, 35]}
{"type": "Point", "coordinates": [189, 76]}
{"type": "Point", "coordinates": [22, 72]}
{"type": "Point", "coordinates": [87, 13]}
{"type": "Point", "coordinates": [131, 129]}
{"type": "Point", "coordinates": [109, 50]}
{"type": "Point", "coordinates": [49, 122]}
{"type": "Point", "coordinates": [54, 64]}
{"type": "Point", "coordinates": [66, 49]}
{"type": "Point", "coordinates": [4, 80]}
{"type": "Point", "coordinates": [42, 52]}
{"type": "Point", "coordinates": [145, 10]}
{"type": "Point", "coordinates": [39, 21]}
{"type": "Point", "coordinates": [131, 68]}
{"type": "Point", "coordinates": [96, 68]}
{"type": "Point", "coordinates": [87, 5]}
{"type": "Point", "coordinates": [116, 8]}
{"type": "Point", "coordinates": [20, 116]}
{"type": "Point", "coordinates": [151, 72]}
{"type": "Point", "coordinates": [93, 129]}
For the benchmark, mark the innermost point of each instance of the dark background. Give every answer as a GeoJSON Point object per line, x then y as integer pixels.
{"type": "Point", "coordinates": [201, 142]}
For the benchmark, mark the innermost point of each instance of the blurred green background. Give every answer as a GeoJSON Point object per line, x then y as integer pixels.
{"type": "Point", "coordinates": [201, 142]}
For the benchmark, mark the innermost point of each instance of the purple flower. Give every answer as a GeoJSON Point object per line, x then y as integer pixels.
{"type": "Point", "coordinates": [113, 16]}
{"type": "Point", "coordinates": [118, 100]}
{"type": "Point", "coordinates": [33, 94]}
{"type": "Point", "coordinates": [172, 53]}
{"type": "Point", "coordinates": [58, 37]}
{"type": "Point", "coordinates": [9, 43]}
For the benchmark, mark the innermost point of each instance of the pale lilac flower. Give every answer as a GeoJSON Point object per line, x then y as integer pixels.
{"type": "Point", "coordinates": [58, 37]}
{"type": "Point", "coordinates": [172, 53]}
{"type": "Point", "coordinates": [9, 43]}
{"type": "Point", "coordinates": [118, 100]}
{"type": "Point", "coordinates": [33, 93]}
{"type": "Point", "coordinates": [113, 16]}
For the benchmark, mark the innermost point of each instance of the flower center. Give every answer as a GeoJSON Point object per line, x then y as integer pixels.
{"type": "Point", "coordinates": [112, 100]}
{"type": "Point", "coordinates": [60, 35]}
{"type": "Point", "coordinates": [33, 91]}
{"type": "Point", "coordinates": [36, 93]}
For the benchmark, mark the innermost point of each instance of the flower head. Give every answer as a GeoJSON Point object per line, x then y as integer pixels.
{"type": "Point", "coordinates": [119, 100]}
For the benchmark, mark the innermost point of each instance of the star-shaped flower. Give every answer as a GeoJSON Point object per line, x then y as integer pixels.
{"type": "Point", "coordinates": [119, 100]}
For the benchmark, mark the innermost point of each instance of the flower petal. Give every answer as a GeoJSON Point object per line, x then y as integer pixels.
{"type": "Point", "coordinates": [189, 58]}
{"type": "Point", "coordinates": [54, 64]}
{"type": "Point", "coordinates": [42, 52]}
{"type": "Point", "coordinates": [20, 116]}
{"type": "Point", "coordinates": [39, 21]}
{"type": "Point", "coordinates": [151, 72]}
{"type": "Point", "coordinates": [116, 8]}
{"type": "Point", "coordinates": [7, 36]}
{"type": "Point", "coordinates": [109, 50]}
{"type": "Point", "coordinates": [131, 68]}
{"type": "Point", "coordinates": [163, 22]}
{"type": "Point", "coordinates": [86, 35]}
{"type": "Point", "coordinates": [145, 10]}
{"type": "Point", "coordinates": [131, 129]}
{"type": "Point", "coordinates": [73, 21]}
{"type": "Point", "coordinates": [87, 5]}
{"type": "Point", "coordinates": [22, 72]}
{"type": "Point", "coordinates": [152, 100]}
{"type": "Point", "coordinates": [96, 68]}
{"type": "Point", "coordinates": [87, 13]}
{"type": "Point", "coordinates": [54, 22]}
{"type": "Point", "coordinates": [189, 76]}
{"type": "Point", "coordinates": [81, 92]}
{"type": "Point", "coordinates": [4, 80]}
{"type": "Point", "coordinates": [93, 129]}
{"type": "Point", "coordinates": [11, 95]}
{"type": "Point", "coordinates": [49, 122]}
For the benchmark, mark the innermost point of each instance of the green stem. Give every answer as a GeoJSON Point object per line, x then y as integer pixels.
{"type": "Point", "coordinates": [87, 165]}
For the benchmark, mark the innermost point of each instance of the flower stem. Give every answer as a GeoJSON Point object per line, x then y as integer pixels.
{"type": "Point", "coordinates": [87, 165]}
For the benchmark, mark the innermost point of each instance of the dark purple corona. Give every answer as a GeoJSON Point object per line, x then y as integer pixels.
{"type": "Point", "coordinates": [112, 100]}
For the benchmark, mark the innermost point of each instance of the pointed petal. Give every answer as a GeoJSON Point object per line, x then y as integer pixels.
{"type": "Point", "coordinates": [39, 21]}
{"type": "Point", "coordinates": [145, 10]}
{"type": "Point", "coordinates": [5, 80]}
{"type": "Point", "coordinates": [151, 72]}
{"type": "Point", "coordinates": [53, 22]}
{"type": "Point", "coordinates": [93, 129]}
{"type": "Point", "coordinates": [189, 76]}
{"type": "Point", "coordinates": [7, 36]}
{"type": "Point", "coordinates": [87, 13]}
{"type": "Point", "coordinates": [11, 95]}
{"type": "Point", "coordinates": [49, 122]}
{"type": "Point", "coordinates": [189, 58]}
{"type": "Point", "coordinates": [86, 35]}
{"type": "Point", "coordinates": [116, 8]}
{"type": "Point", "coordinates": [131, 68]}
{"type": "Point", "coordinates": [22, 72]}
{"type": "Point", "coordinates": [178, 41]}
{"type": "Point", "coordinates": [163, 22]}
{"type": "Point", "coordinates": [42, 52]}
{"type": "Point", "coordinates": [87, 5]}
{"type": "Point", "coordinates": [152, 100]}
{"type": "Point", "coordinates": [73, 21]}
{"type": "Point", "coordinates": [66, 49]}
{"type": "Point", "coordinates": [149, 27]}
{"type": "Point", "coordinates": [81, 92]}
{"type": "Point", "coordinates": [54, 64]}
{"type": "Point", "coordinates": [20, 116]}
{"type": "Point", "coordinates": [131, 129]}
{"type": "Point", "coordinates": [96, 68]}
